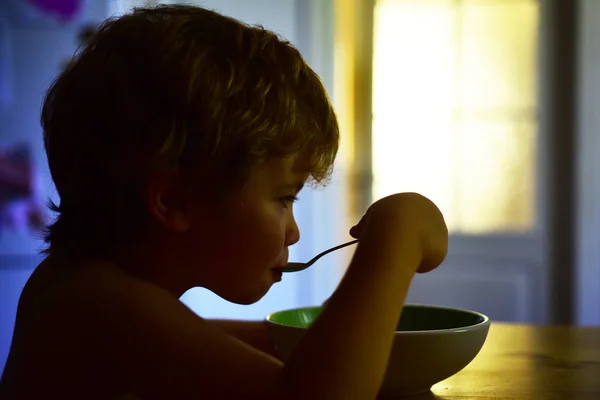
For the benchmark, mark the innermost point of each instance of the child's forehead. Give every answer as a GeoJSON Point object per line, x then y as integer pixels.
{"type": "Point", "coordinates": [293, 166]}
{"type": "Point", "coordinates": [276, 173]}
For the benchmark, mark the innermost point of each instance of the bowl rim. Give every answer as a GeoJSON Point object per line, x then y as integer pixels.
{"type": "Point", "coordinates": [483, 324]}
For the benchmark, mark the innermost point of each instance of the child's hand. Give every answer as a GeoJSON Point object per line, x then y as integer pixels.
{"type": "Point", "coordinates": [408, 216]}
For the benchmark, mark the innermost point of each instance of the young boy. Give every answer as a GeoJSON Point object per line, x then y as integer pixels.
{"type": "Point", "coordinates": [178, 140]}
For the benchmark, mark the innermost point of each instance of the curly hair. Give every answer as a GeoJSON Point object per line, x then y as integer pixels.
{"type": "Point", "coordinates": [173, 87]}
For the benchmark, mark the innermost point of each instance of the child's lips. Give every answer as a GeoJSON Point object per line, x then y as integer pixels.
{"type": "Point", "coordinates": [277, 273]}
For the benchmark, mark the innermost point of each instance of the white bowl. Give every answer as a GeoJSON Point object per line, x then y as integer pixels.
{"type": "Point", "coordinates": [431, 343]}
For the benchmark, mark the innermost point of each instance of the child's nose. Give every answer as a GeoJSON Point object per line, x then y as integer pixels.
{"type": "Point", "coordinates": [292, 235]}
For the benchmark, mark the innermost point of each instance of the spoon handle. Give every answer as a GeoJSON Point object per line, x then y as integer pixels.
{"type": "Point", "coordinates": [315, 258]}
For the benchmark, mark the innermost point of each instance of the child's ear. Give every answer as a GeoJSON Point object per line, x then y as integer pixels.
{"type": "Point", "coordinates": [167, 202]}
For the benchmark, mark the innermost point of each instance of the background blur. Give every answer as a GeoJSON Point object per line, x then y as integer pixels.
{"type": "Point", "coordinates": [488, 107]}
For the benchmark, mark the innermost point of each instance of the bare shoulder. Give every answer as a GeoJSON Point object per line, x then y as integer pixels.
{"type": "Point", "coordinates": [81, 294]}
{"type": "Point", "coordinates": [62, 299]}
{"type": "Point", "coordinates": [137, 337]}
{"type": "Point", "coordinates": [95, 303]}
{"type": "Point", "coordinates": [62, 328]}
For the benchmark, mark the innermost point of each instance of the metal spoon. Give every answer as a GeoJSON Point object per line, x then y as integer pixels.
{"type": "Point", "coordinates": [296, 266]}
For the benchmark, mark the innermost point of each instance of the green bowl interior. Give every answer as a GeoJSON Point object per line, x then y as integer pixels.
{"type": "Point", "coordinates": [414, 318]}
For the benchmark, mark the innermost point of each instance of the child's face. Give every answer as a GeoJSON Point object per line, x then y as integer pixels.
{"type": "Point", "coordinates": [238, 251]}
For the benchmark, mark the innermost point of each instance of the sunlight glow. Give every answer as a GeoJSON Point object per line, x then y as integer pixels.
{"type": "Point", "coordinates": [454, 104]}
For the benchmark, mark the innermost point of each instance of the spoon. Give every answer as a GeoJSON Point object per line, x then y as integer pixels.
{"type": "Point", "coordinates": [297, 266]}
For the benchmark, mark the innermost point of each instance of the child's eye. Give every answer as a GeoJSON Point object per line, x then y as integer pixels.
{"type": "Point", "coordinates": [288, 200]}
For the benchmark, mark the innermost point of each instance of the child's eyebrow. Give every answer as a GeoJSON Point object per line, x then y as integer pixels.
{"type": "Point", "coordinates": [293, 186]}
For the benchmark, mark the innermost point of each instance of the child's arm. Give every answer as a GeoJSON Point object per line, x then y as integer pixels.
{"type": "Point", "coordinates": [253, 333]}
{"type": "Point", "coordinates": [154, 347]}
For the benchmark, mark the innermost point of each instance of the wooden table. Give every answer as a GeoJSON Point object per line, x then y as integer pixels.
{"type": "Point", "coordinates": [528, 362]}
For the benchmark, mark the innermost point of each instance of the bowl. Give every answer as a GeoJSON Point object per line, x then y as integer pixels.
{"type": "Point", "coordinates": [431, 343]}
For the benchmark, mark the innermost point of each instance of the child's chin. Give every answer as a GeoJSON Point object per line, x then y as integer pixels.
{"type": "Point", "coordinates": [248, 297]}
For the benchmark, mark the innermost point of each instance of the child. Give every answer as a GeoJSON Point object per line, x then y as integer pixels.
{"type": "Point", "coordinates": [178, 140]}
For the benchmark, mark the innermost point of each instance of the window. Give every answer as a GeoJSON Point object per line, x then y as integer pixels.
{"type": "Point", "coordinates": [455, 108]}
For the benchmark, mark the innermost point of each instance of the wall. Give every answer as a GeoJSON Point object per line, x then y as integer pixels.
{"type": "Point", "coordinates": [38, 48]}
{"type": "Point", "coordinates": [587, 282]}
